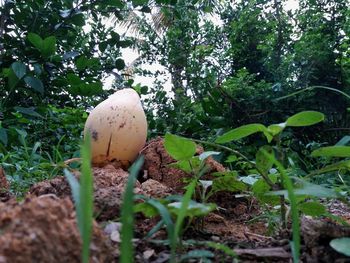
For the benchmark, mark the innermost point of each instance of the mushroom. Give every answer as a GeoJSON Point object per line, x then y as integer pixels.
{"type": "Point", "coordinates": [118, 128]}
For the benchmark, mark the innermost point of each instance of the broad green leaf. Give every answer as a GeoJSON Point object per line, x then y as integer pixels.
{"type": "Point", "coordinates": [341, 245]}
{"type": "Point", "coordinates": [36, 40]}
{"type": "Point", "coordinates": [262, 162]}
{"type": "Point", "coordinates": [19, 69]}
{"type": "Point", "coordinates": [305, 118]}
{"type": "Point", "coordinates": [73, 79]}
{"type": "Point", "coordinates": [35, 84]}
{"type": "Point", "coordinates": [242, 132]}
{"type": "Point", "coordinates": [179, 148]}
{"type": "Point", "coordinates": [12, 78]}
{"type": "Point", "coordinates": [332, 151]}
{"type": "Point", "coordinates": [187, 166]}
{"type": "Point", "coordinates": [49, 46]}
{"type": "Point", "coordinates": [275, 129]}
{"type": "Point", "coordinates": [145, 208]}
{"type": "Point", "coordinates": [312, 208]}
{"type": "Point", "coordinates": [228, 183]}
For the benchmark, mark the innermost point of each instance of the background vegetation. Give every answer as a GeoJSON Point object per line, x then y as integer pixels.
{"type": "Point", "coordinates": [231, 63]}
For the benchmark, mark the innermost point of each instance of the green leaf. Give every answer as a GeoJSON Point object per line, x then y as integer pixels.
{"type": "Point", "coordinates": [334, 167]}
{"type": "Point", "coordinates": [19, 69]}
{"type": "Point", "coordinates": [127, 214]}
{"type": "Point", "coordinates": [309, 189]}
{"type": "Point", "coordinates": [36, 40]}
{"type": "Point", "coordinates": [78, 19]}
{"type": "Point", "coordinates": [312, 208]}
{"type": "Point", "coordinates": [116, 3]}
{"type": "Point", "coordinates": [166, 217]}
{"type": "Point", "coordinates": [262, 162]}
{"type": "Point", "coordinates": [35, 84]}
{"type": "Point", "coordinates": [82, 63]}
{"type": "Point", "coordinates": [187, 166]}
{"type": "Point", "coordinates": [343, 141]}
{"type": "Point", "coordinates": [3, 136]}
{"type": "Point", "coordinates": [193, 209]}
{"type": "Point", "coordinates": [227, 183]}
{"type": "Point", "coordinates": [75, 189]}
{"type": "Point", "coordinates": [86, 199]}
{"type": "Point", "coordinates": [12, 78]}
{"type": "Point", "coordinates": [242, 132]}
{"type": "Point", "coordinates": [119, 64]}
{"type": "Point", "coordinates": [197, 253]}
{"type": "Point", "coordinates": [73, 79]}
{"type": "Point", "coordinates": [179, 148]}
{"type": "Point", "coordinates": [207, 154]}
{"type": "Point", "coordinates": [49, 46]}
{"type": "Point", "coordinates": [139, 2]}
{"type": "Point", "coordinates": [275, 129]}
{"type": "Point", "coordinates": [341, 245]}
{"type": "Point", "coordinates": [28, 111]}
{"type": "Point", "coordinates": [332, 151]}
{"type": "Point", "coordinates": [305, 118]}
{"type": "Point", "coordinates": [147, 209]}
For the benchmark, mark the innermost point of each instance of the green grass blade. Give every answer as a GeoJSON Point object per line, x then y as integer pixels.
{"type": "Point", "coordinates": [288, 184]}
{"type": "Point", "coordinates": [181, 216]}
{"type": "Point", "coordinates": [86, 199]}
{"type": "Point", "coordinates": [166, 217]}
{"type": "Point", "coordinates": [127, 214]}
{"type": "Point", "coordinates": [75, 189]}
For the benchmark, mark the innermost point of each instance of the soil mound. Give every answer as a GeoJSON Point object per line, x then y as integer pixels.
{"type": "Point", "coordinates": [43, 229]}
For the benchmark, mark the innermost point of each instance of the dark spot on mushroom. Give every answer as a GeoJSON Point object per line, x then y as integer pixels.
{"type": "Point", "coordinates": [112, 108]}
{"type": "Point", "coordinates": [94, 135]}
{"type": "Point", "coordinates": [122, 125]}
{"type": "Point", "coordinates": [109, 145]}
{"type": "Point", "coordinates": [133, 116]}
{"type": "Point", "coordinates": [107, 118]}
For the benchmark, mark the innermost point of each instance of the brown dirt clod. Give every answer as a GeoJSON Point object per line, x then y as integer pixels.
{"type": "Point", "coordinates": [109, 184]}
{"type": "Point", "coordinates": [4, 187]}
{"type": "Point", "coordinates": [157, 162]}
{"type": "Point", "coordinates": [43, 229]}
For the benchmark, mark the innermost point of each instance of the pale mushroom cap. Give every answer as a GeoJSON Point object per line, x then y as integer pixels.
{"type": "Point", "coordinates": [118, 128]}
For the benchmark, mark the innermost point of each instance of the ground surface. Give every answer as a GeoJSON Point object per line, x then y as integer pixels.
{"type": "Point", "coordinates": [42, 228]}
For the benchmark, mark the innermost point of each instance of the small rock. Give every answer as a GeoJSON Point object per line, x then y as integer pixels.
{"type": "Point", "coordinates": [148, 254]}
{"type": "Point", "coordinates": [115, 236]}
{"type": "Point", "coordinates": [215, 238]}
{"type": "Point", "coordinates": [111, 227]}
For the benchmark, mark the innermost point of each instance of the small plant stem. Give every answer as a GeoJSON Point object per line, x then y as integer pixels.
{"type": "Point", "coordinates": [280, 158]}
{"type": "Point", "coordinates": [266, 178]}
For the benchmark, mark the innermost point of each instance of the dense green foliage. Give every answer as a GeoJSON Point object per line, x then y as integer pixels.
{"type": "Point", "coordinates": [263, 85]}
